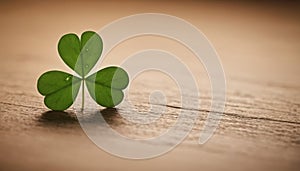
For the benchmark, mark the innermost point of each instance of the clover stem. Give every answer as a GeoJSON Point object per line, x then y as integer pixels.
{"type": "Point", "coordinates": [83, 79]}
{"type": "Point", "coordinates": [82, 100]}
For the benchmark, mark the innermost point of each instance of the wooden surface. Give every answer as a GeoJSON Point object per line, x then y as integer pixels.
{"type": "Point", "coordinates": [258, 44]}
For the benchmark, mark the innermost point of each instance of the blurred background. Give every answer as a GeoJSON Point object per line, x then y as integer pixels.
{"type": "Point", "coordinates": [258, 43]}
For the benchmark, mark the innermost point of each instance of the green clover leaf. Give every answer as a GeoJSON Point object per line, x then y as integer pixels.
{"type": "Point", "coordinates": [105, 86]}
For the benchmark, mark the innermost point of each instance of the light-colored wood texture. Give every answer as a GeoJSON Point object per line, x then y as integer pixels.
{"type": "Point", "coordinates": [258, 44]}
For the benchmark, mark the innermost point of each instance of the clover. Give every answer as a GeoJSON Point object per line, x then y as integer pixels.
{"type": "Point", "coordinates": [61, 89]}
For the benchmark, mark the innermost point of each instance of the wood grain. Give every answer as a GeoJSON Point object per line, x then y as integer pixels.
{"type": "Point", "coordinates": [258, 45]}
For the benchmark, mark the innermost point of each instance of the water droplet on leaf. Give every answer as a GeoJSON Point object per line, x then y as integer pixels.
{"type": "Point", "coordinates": [68, 78]}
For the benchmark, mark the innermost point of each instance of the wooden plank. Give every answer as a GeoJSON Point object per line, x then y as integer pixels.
{"type": "Point", "coordinates": [258, 45]}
